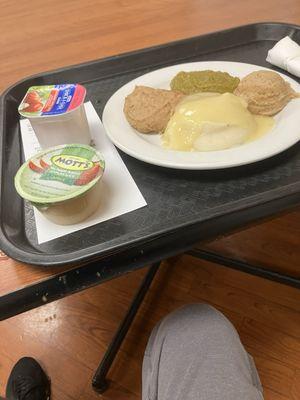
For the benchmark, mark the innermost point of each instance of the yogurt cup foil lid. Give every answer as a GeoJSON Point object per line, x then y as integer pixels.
{"type": "Point", "coordinates": [50, 100]}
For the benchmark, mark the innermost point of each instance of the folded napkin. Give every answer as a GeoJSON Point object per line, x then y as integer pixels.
{"type": "Point", "coordinates": [286, 55]}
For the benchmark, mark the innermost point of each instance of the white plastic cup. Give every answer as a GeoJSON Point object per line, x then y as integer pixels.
{"type": "Point", "coordinates": [57, 114]}
{"type": "Point", "coordinates": [71, 127]}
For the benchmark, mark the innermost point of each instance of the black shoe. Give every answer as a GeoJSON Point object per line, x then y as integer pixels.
{"type": "Point", "coordinates": [27, 381]}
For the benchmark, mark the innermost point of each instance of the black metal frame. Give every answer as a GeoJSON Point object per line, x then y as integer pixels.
{"type": "Point", "coordinates": [97, 272]}
{"type": "Point", "coordinates": [78, 279]}
{"type": "Point", "coordinates": [245, 267]}
{"type": "Point", "coordinates": [100, 382]}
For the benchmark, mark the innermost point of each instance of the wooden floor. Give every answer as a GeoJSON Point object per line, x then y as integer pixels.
{"type": "Point", "coordinates": [69, 336]}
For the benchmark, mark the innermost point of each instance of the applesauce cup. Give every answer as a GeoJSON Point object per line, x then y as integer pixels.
{"type": "Point", "coordinates": [63, 182]}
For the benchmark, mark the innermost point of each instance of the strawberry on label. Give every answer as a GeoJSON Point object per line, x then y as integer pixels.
{"type": "Point", "coordinates": [32, 97]}
{"type": "Point", "coordinates": [35, 168]}
{"type": "Point", "coordinates": [44, 165]}
{"type": "Point", "coordinates": [33, 107]}
{"type": "Point", "coordinates": [87, 176]}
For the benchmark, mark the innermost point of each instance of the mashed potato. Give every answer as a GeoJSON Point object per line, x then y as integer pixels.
{"type": "Point", "coordinates": [210, 122]}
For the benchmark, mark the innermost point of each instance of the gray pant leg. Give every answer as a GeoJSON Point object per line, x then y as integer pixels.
{"type": "Point", "coordinates": [195, 354]}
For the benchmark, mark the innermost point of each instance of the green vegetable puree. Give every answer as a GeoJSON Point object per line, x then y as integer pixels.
{"type": "Point", "coordinates": [204, 81]}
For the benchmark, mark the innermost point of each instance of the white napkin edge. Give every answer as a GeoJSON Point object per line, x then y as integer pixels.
{"type": "Point", "coordinates": [286, 55]}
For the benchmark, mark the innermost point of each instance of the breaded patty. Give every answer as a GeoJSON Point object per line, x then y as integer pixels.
{"type": "Point", "coordinates": [149, 110]}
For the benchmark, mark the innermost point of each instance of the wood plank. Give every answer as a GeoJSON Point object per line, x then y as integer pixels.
{"type": "Point", "coordinates": [296, 386]}
{"type": "Point", "coordinates": [18, 275]}
{"type": "Point", "coordinates": [115, 391]}
{"type": "Point", "coordinates": [209, 284]}
{"type": "Point", "coordinates": [77, 319]}
{"type": "Point", "coordinates": [6, 363]}
{"type": "Point", "coordinates": [273, 244]}
{"type": "Point", "coordinates": [272, 344]}
{"type": "Point", "coordinates": [274, 375]}
{"type": "Point", "coordinates": [264, 288]}
{"type": "Point", "coordinates": [271, 395]}
{"type": "Point", "coordinates": [61, 368]}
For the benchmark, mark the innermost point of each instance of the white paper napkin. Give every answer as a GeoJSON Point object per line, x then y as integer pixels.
{"type": "Point", "coordinates": [121, 194]}
{"type": "Point", "coordinates": [286, 55]}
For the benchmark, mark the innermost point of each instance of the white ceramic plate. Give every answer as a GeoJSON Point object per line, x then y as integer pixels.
{"type": "Point", "coordinates": [148, 148]}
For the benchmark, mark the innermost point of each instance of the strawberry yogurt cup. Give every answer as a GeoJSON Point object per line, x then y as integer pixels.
{"type": "Point", "coordinates": [57, 114]}
{"type": "Point", "coordinates": [63, 182]}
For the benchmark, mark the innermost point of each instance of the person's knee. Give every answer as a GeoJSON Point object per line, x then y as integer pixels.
{"type": "Point", "coordinates": [197, 312]}
{"type": "Point", "coordinates": [199, 318]}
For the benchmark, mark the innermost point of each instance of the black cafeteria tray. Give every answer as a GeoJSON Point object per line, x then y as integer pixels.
{"type": "Point", "coordinates": [183, 206]}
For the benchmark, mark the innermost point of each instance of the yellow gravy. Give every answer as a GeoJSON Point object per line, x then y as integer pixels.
{"type": "Point", "coordinates": [210, 121]}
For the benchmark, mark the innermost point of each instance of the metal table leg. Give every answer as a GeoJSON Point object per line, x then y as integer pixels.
{"type": "Point", "coordinates": [245, 267]}
{"type": "Point", "coordinates": [100, 382]}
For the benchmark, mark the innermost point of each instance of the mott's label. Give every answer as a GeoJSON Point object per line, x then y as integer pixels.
{"type": "Point", "coordinates": [72, 163]}
{"type": "Point", "coordinates": [51, 100]}
{"type": "Point", "coordinates": [60, 173]}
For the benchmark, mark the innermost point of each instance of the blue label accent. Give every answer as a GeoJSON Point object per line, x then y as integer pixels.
{"type": "Point", "coordinates": [63, 100]}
